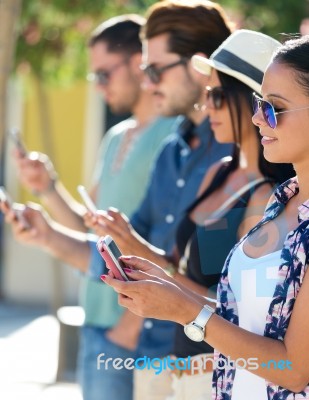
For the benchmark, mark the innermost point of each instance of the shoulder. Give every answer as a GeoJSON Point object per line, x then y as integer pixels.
{"type": "Point", "coordinates": [212, 172]}
{"type": "Point", "coordinates": [256, 206]}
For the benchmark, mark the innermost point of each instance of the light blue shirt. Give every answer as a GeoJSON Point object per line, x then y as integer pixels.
{"type": "Point", "coordinates": [122, 185]}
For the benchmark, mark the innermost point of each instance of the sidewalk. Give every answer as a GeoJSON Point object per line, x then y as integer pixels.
{"type": "Point", "coordinates": [29, 338]}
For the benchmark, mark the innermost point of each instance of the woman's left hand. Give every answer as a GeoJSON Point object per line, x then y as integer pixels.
{"type": "Point", "coordinates": [153, 297]}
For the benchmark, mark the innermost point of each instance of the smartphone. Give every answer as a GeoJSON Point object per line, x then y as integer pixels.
{"type": "Point", "coordinates": [111, 253]}
{"type": "Point", "coordinates": [16, 207]}
{"type": "Point", "coordinates": [5, 197]}
{"type": "Point", "coordinates": [15, 136]}
{"type": "Point", "coordinates": [86, 199]}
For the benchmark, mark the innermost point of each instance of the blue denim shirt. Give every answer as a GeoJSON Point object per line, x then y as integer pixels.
{"type": "Point", "coordinates": [173, 186]}
{"type": "Point", "coordinates": [174, 183]}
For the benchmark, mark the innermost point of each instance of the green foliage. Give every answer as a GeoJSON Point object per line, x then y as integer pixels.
{"type": "Point", "coordinates": [272, 17]}
{"type": "Point", "coordinates": [53, 33]}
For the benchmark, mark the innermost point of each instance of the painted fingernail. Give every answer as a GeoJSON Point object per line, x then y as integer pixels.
{"type": "Point", "coordinates": [128, 270]}
{"type": "Point", "coordinates": [103, 277]}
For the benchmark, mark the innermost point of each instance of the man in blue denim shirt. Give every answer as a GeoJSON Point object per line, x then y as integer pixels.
{"type": "Point", "coordinates": [174, 183]}
{"type": "Point", "coordinates": [170, 38]}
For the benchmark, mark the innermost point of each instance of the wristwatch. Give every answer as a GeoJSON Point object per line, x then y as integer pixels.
{"type": "Point", "coordinates": [195, 330]}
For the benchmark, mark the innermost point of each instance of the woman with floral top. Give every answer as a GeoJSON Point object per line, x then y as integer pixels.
{"type": "Point", "coordinates": [260, 326]}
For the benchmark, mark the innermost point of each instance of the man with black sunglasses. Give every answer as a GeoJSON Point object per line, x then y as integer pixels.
{"type": "Point", "coordinates": [175, 31]}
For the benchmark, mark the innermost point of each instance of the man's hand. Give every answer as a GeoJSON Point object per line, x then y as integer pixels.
{"type": "Point", "coordinates": [30, 224]}
{"type": "Point", "coordinates": [36, 172]}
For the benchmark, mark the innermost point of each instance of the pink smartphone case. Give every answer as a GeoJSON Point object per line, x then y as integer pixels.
{"type": "Point", "coordinates": [105, 253]}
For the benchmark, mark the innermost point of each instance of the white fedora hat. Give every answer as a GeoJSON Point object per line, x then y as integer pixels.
{"type": "Point", "coordinates": [244, 55]}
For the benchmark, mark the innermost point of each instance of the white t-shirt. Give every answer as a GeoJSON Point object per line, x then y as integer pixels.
{"type": "Point", "coordinates": [253, 281]}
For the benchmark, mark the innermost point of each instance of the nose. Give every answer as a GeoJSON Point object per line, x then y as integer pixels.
{"type": "Point", "coordinates": [147, 83]}
{"type": "Point", "coordinates": [258, 118]}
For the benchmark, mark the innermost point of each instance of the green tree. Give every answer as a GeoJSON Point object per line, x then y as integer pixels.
{"type": "Point", "coordinates": [269, 16]}
{"type": "Point", "coordinates": [53, 34]}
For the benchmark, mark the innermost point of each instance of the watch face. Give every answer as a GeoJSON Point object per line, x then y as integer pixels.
{"type": "Point", "coordinates": [195, 333]}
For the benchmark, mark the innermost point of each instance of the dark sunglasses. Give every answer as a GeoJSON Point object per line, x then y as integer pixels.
{"type": "Point", "coordinates": [101, 77]}
{"type": "Point", "coordinates": [215, 96]}
{"type": "Point", "coordinates": [154, 73]}
{"type": "Point", "coordinates": [268, 110]}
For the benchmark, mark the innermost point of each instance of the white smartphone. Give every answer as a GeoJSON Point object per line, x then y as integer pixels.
{"type": "Point", "coordinates": [5, 197]}
{"type": "Point", "coordinates": [111, 253]}
{"type": "Point", "coordinates": [16, 137]}
{"type": "Point", "coordinates": [86, 199]}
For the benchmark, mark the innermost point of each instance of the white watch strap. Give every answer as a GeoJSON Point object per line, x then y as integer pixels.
{"type": "Point", "coordinates": [204, 315]}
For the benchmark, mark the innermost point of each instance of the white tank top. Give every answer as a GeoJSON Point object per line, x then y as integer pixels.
{"type": "Point", "coordinates": [253, 281]}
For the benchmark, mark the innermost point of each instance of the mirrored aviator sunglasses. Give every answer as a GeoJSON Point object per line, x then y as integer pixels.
{"type": "Point", "coordinates": [268, 110]}
{"type": "Point", "coordinates": [215, 96]}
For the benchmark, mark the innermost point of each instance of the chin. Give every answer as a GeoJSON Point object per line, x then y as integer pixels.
{"type": "Point", "coordinates": [118, 109]}
{"type": "Point", "coordinates": [222, 137]}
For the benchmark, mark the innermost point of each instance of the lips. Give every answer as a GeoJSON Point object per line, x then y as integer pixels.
{"type": "Point", "coordinates": [214, 123]}
{"type": "Point", "coordinates": [268, 140]}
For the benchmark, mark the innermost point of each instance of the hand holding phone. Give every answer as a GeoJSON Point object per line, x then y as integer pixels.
{"type": "Point", "coordinates": [15, 136]}
{"type": "Point", "coordinates": [15, 207]}
{"type": "Point", "coordinates": [111, 253]}
{"type": "Point", "coordinates": [86, 199]}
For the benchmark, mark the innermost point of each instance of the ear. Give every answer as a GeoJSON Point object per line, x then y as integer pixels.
{"type": "Point", "coordinates": [135, 62]}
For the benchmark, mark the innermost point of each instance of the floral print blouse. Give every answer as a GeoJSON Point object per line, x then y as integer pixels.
{"type": "Point", "coordinates": [294, 263]}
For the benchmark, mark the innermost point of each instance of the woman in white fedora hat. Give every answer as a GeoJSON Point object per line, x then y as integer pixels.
{"type": "Point", "coordinates": [231, 199]}
{"type": "Point", "coordinates": [260, 326]}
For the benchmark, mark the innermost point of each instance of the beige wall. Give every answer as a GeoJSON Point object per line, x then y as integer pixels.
{"type": "Point", "coordinates": [29, 274]}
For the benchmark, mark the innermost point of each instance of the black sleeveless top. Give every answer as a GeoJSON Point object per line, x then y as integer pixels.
{"type": "Point", "coordinates": [209, 248]}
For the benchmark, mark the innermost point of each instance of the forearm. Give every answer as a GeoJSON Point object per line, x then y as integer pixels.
{"type": "Point", "coordinates": [237, 343]}
{"type": "Point", "coordinates": [64, 208]}
{"type": "Point", "coordinates": [69, 246]}
{"type": "Point", "coordinates": [188, 285]}
{"type": "Point", "coordinates": [141, 248]}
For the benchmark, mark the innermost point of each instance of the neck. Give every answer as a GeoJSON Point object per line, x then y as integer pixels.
{"type": "Point", "coordinates": [144, 110]}
{"type": "Point", "coordinates": [197, 116]}
{"type": "Point", "coordinates": [249, 154]}
{"type": "Point", "coordinates": [197, 112]}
